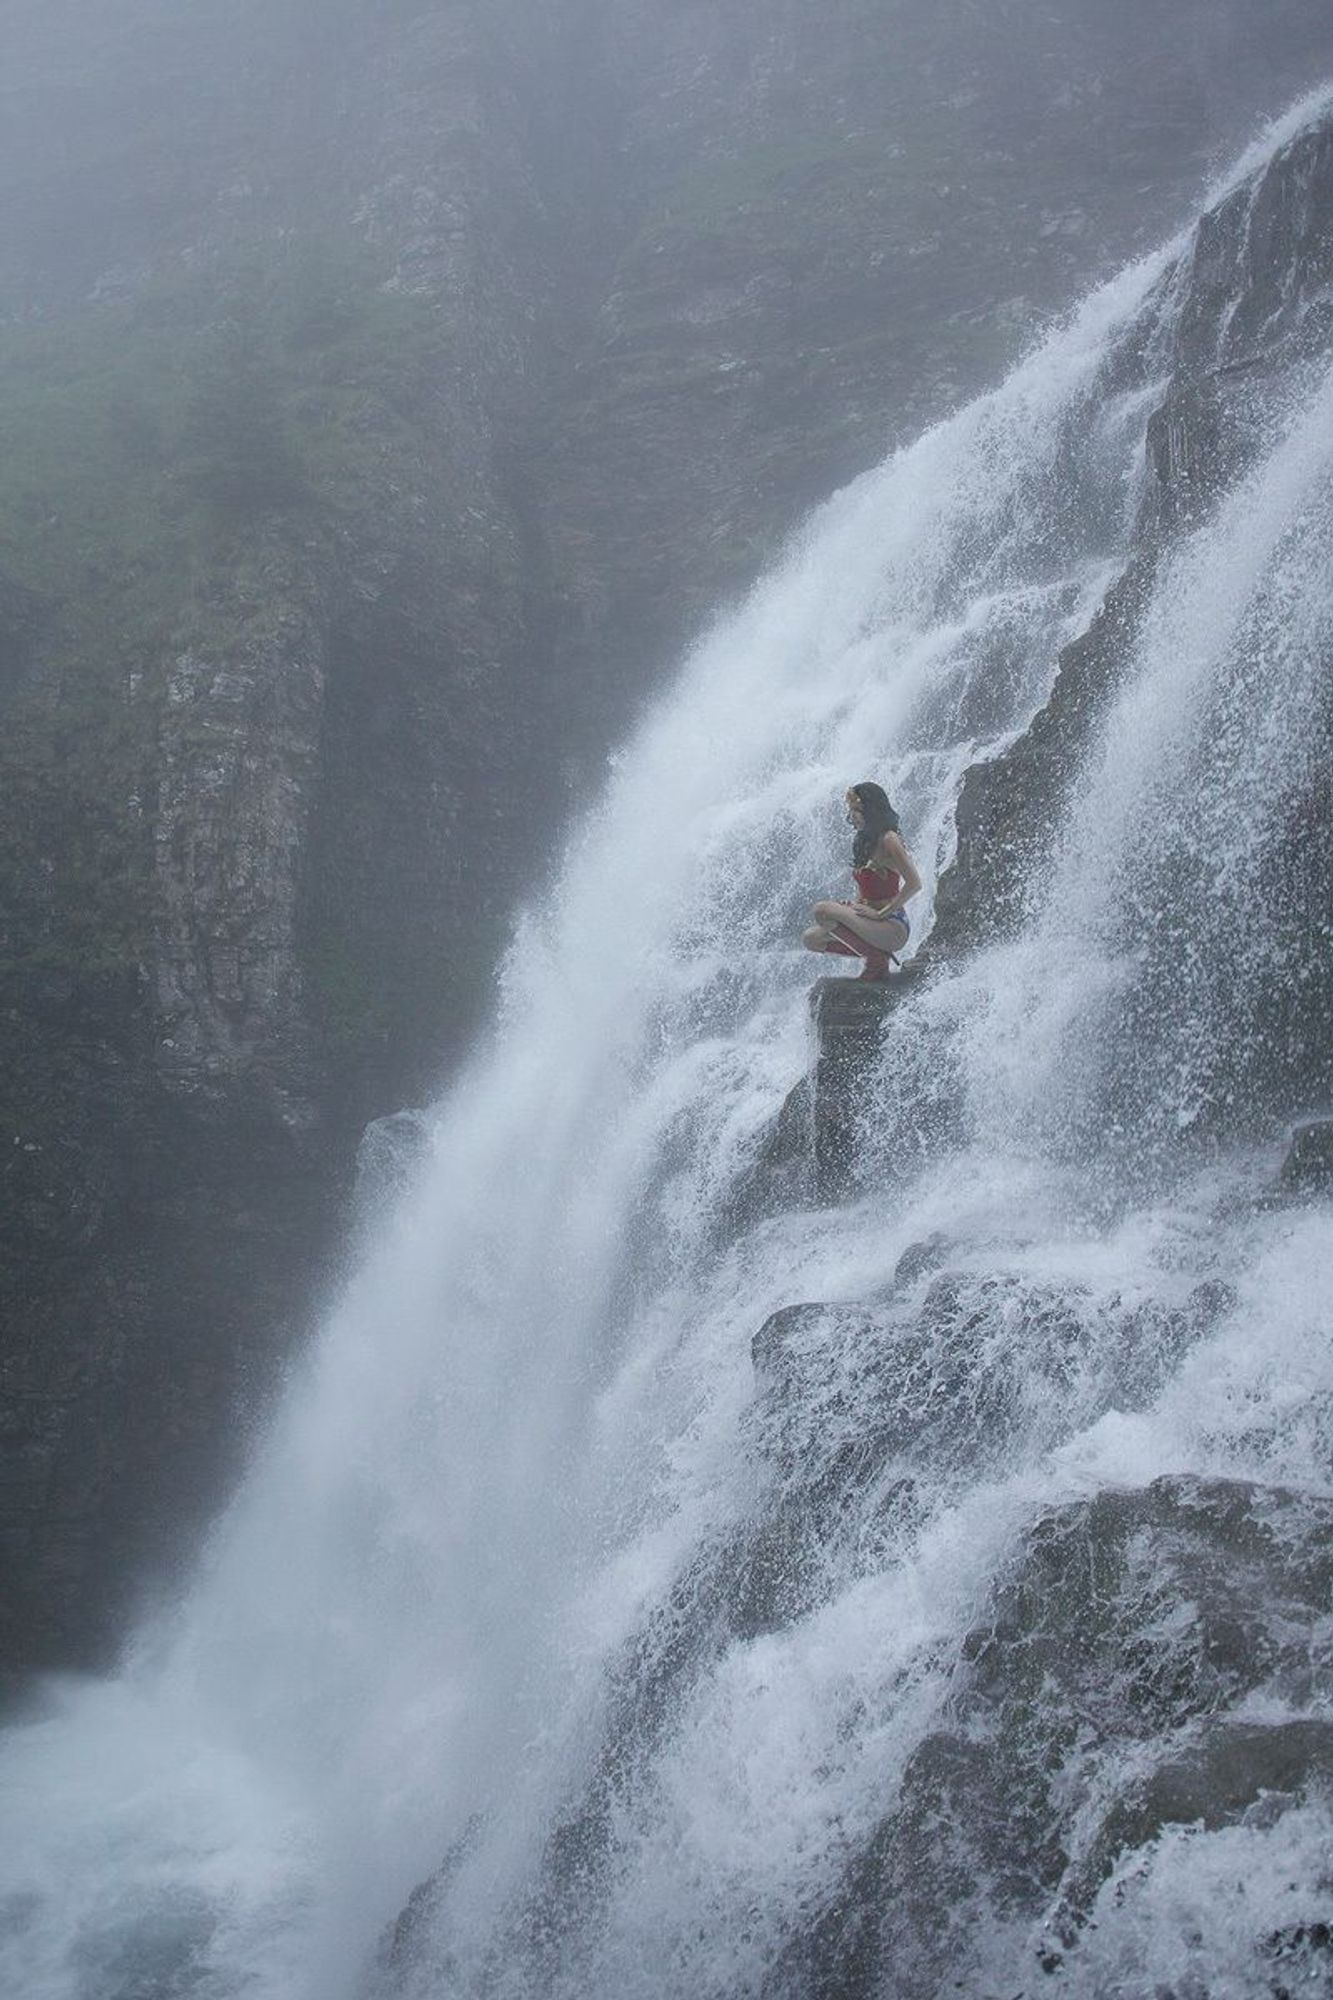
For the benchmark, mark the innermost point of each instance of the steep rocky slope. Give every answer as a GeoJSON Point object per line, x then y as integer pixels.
{"type": "Point", "coordinates": [1148, 1666]}
{"type": "Point", "coordinates": [385, 391]}
{"type": "Point", "coordinates": [1253, 316]}
{"type": "Point", "coordinates": [1155, 1659]}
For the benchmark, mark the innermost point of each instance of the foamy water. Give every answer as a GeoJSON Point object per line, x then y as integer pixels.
{"type": "Point", "coordinates": [530, 1421]}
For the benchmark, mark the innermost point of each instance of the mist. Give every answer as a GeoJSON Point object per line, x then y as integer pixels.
{"type": "Point", "coordinates": [542, 1455]}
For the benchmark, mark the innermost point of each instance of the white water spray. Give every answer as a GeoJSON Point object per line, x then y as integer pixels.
{"type": "Point", "coordinates": [529, 1412]}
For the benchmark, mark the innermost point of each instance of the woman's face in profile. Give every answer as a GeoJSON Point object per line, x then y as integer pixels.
{"type": "Point", "coordinates": [853, 804]}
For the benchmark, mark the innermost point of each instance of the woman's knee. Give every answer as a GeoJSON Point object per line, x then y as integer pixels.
{"type": "Point", "coordinates": [827, 914]}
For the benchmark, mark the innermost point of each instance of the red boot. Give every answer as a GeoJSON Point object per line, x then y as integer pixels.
{"type": "Point", "coordinates": [876, 962]}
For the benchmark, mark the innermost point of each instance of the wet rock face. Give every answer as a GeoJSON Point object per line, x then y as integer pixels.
{"type": "Point", "coordinates": [561, 317]}
{"type": "Point", "coordinates": [1253, 323]}
{"type": "Point", "coordinates": [866, 1414]}
{"type": "Point", "coordinates": [1095, 1697]}
{"type": "Point", "coordinates": [1097, 1707]}
{"type": "Point", "coordinates": [836, 233]}
{"type": "Point", "coordinates": [1308, 1166]}
{"type": "Point", "coordinates": [252, 720]}
{"type": "Point", "coordinates": [1008, 808]}
{"type": "Point", "coordinates": [949, 1372]}
{"type": "Point", "coordinates": [1261, 264]}
{"type": "Point", "coordinates": [1256, 280]}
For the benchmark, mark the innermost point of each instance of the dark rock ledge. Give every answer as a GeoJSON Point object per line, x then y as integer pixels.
{"type": "Point", "coordinates": [850, 1016]}
{"type": "Point", "coordinates": [810, 1153]}
{"type": "Point", "coordinates": [1308, 1166]}
{"type": "Point", "coordinates": [1096, 1705]}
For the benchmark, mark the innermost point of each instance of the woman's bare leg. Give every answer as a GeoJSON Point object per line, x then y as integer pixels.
{"type": "Point", "coordinates": [886, 934]}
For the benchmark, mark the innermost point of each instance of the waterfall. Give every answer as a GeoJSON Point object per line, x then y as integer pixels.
{"type": "Point", "coordinates": [487, 1684]}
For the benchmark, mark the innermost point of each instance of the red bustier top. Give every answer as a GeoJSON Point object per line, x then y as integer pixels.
{"type": "Point", "coordinates": [877, 889]}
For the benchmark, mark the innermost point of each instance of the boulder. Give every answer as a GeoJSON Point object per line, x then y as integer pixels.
{"type": "Point", "coordinates": [1095, 1706]}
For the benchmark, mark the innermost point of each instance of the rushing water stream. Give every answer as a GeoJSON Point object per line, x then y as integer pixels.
{"type": "Point", "coordinates": [487, 1613]}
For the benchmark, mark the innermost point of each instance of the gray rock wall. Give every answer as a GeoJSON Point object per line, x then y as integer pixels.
{"type": "Point", "coordinates": [388, 389]}
{"type": "Point", "coordinates": [1080, 1729]}
{"type": "Point", "coordinates": [274, 714]}
{"type": "Point", "coordinates": [1254, 312]}
{"type": "Point", "coordinates": [837, 227]}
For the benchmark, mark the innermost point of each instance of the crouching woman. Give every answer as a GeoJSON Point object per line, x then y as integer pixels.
{"type": "Point", "coordinates": [874, 927]}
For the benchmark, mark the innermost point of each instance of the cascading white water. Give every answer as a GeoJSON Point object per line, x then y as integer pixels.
{"type": "Point", "coordinates": [528, 1415]}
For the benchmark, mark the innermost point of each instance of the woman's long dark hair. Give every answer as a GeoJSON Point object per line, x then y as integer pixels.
{"type": "Point", "coordinates": [879, 818]}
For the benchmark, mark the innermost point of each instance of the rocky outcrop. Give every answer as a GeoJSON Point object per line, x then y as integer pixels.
{"type": "Point", "coordinates": [814, 1151]}
{"type": "Point", "coordinates": [1308, 1165]}
{"type": "Point", "coordinates": [851, 1018]}
{"type": "Point", "coordinates": [1100, 1705]}
{"type": "Point", "coordinates": [1252, 314]}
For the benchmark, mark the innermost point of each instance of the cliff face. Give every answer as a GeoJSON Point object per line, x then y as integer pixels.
{"type": "Point", "coordinates": [1252, 314]}
{"type": "Point", "coordinates": [836, 228]}
{"type": "Point", "coordinates": [386, 390]}
{"type": "Point", "coordinates": [270, 707]}
{"type": "Point", "coordinates": [1123, 1644]}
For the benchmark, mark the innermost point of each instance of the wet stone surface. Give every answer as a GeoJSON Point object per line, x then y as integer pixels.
{"type": "Point", "coordinates": [1308, 1166]}
{"type": "Point", "coordinates": [850, 1017]}
{"type": "Point", "coordinates": [1096, 1705]}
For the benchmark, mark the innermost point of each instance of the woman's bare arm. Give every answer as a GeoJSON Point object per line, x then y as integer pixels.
{"type": "Point", "coordinates": [891, 849]}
